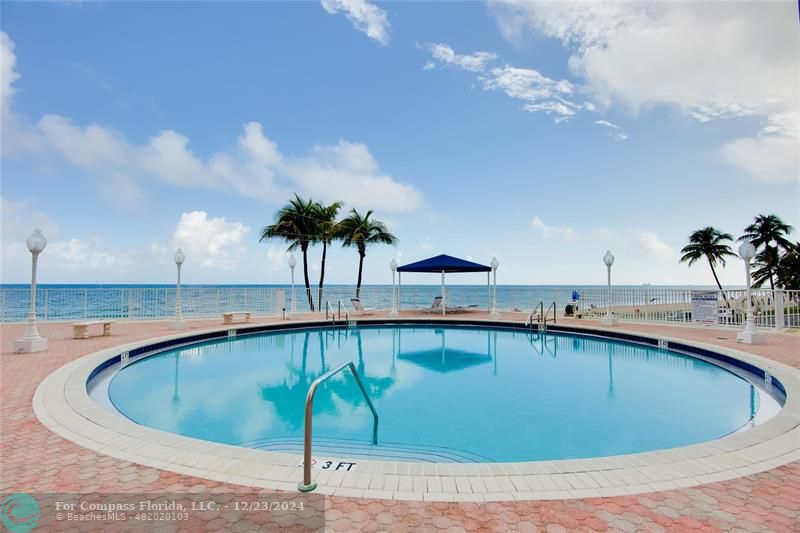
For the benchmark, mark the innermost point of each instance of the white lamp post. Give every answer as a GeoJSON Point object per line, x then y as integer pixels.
{"type": "Point", "coordinates": [494, 264]}
{"type": "Point", "coordinates": [749, 336]}
{"type": "Point", "coordinates": [292, 264]}
{"type": "Point", "coordinates": [31, 341]}
{"type": "Point", "coordinates": [393, 268]}
{"type": "Point", "coordinates": [179, 258]}
{"type": "Point", "coordinates": [609, 319]}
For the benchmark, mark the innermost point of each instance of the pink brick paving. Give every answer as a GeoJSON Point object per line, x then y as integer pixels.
{"type": "Point", "coordinates": [34, 460]}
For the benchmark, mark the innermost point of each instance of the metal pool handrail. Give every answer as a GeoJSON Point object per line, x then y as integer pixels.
{"type": "Point", "coordinates": [307, 485]}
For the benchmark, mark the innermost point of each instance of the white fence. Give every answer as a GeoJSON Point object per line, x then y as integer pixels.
{"type": "Point", "coordinates": [646, 304]}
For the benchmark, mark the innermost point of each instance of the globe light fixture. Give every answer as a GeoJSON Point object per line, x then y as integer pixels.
{"type": "Point", "coordinates": [393, 267]}
{"type": "Point", "coordinates": [178, 323]}
{"type": "Point", "coordinates": [609, 319]}
{"type": "Point", "coordinates": [494, 264]}
{"type": "Point", "coordinates": [31, 341]}
{"type": "Point", "coordinates": [749, 335]}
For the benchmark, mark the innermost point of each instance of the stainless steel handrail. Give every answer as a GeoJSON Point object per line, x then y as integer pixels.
{"type": "Point", "coordinates": [553, 306]}
{"type": "Point", "coordinates": [307, 485]}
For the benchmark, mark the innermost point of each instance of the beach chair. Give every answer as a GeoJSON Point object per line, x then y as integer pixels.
{"type": "Point", "coordinates": [360, 308]}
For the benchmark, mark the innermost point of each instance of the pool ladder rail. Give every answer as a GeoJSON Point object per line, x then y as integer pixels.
{"type": "Point", "coordinates": [542, 318]}
{"type": "Point", "coordinates": [330, 315]}
{"type": "Point", "coordinates": [307, 485]}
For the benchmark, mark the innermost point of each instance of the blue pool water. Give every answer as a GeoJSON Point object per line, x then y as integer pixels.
{"type": "Point", "coordinates": [442, 394]}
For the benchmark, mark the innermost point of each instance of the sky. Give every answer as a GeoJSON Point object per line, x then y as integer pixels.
{"type": "Point", "coordinates": [539, 133]}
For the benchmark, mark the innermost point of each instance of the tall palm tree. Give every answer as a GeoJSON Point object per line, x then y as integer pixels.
{"type": "Point", "coordinates": [326, 231]}
{"type": "Point", "coordinates": [764, 231]}
{"type": "Point", "coordinates": [295, 223]}
{"type": "Point", "coordinates": [360, 231]}
{"type": "Point", "coordinates": [708, 243]}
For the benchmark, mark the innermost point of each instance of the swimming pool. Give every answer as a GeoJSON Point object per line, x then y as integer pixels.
{"type": "Point", "coordinates": [443, 394]}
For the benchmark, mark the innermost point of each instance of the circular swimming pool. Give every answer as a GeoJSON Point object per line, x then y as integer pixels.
{"type": "Point", "coordinates": [443, 394]}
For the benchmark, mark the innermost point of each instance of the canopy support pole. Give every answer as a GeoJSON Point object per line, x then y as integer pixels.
{"type": "Point", "coordinates": [399, 284]}
{"type": "Point", "coordinates": [488, 293]}
{"type": "Point", "coordinates": [444, 296]}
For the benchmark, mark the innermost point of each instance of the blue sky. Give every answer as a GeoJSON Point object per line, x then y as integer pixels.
{"type": "Point", "coordinates": [543, 134]}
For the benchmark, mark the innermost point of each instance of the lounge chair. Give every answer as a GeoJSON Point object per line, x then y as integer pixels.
{"type": "Point", "coordinates": [436, 307]}
{"type": "Point", "coordinates": [360, 308]}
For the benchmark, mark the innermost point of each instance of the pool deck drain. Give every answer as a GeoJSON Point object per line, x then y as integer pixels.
{"type": "Point", "coordinates": [35, 460]}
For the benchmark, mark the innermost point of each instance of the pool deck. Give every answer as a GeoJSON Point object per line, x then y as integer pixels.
{"type": "Point", "coordinates": [36, 460]}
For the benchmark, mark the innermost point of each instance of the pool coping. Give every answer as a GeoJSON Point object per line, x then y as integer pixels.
{"type": "Point", "coordinates": [63, 405]}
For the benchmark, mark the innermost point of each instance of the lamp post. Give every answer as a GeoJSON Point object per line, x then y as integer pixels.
{"type": "Point", "coordinates": [178, 323]}
{"type": "Point", "coordinates": [31, 341]}
{"type": "Point", "coordinates": [179, 258]}
{"type": "Point", "coordinates": [292, 264]}
{"type": "Point", "coordinates": [393, 268]}
{"type": "Point", "coordinates": [608, 319]}
{"type": "Point", "coordinates": [494, 264]}
{"type": "Point", "coordinates": [749, 336]}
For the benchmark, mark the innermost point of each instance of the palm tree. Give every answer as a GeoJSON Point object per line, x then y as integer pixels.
{"type": "Point", "coordinates": [326, 231]}
{"type": "Point", "coordinates": [708, 243]}
{"type": "Point", "coordinates": [765, 230]}
{"type": "Point", "coordinates": [359, 231]}
{"type": "Point", "coordinates": [295, 224]}
{"type": "Point", "coordinates": [765, 265]}
{"type": "Point", "coordinates": [788, 275]}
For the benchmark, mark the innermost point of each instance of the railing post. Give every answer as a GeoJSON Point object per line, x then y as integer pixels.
{"type": "Point", "coordinates": [85, 302]}
{"type": "Point", "coordinates": [779, 307]}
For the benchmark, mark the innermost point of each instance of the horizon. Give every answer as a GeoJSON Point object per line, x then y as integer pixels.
{"type": "Point", "coordinates": [533, 133]}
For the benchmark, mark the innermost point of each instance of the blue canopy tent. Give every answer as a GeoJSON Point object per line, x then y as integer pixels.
{"type": "Point", "coordinates": [443, 264]}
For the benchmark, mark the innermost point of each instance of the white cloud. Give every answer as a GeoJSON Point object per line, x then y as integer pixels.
{"type": "Point", "coordinates": [348, 171]}
{"type": "Point", "coordinates": [427, 244]}
{"type": "Point", "coordinates": [277, 259]}
{"type": "Point", "coordinates": [473, 62]}
{"type": "Point", "coordinates": [616, 133]}
{"type": "Point", "coordinates": [75, 254]}
{"type": "Point", "coordinates": [564, 233]}
{"type": "Point", "coordinates": [710, 60]}
{"type": "Point", "coordinates": [429, 66]}
{"type": "Point", "coordinates": [255, 168]}
{"type": "Point", "coordinates": [538, 91]}
{"type": "Point", "coordinates": [366, 17]}
{"type": "Point", "coordinates": [634, 242]}
{"type": "Point", "coordinates": [607, 124]}
{"type": "Point", "coordinates": [210, 242]}
{"type": "Point", "coordinates": [18, 220]}
{"type": "Point", "coordinates": [8, 74]}
{"type": "Point", "coordinates": [651, 244]}
{"type": "Point", "coordinates": [768, 158]}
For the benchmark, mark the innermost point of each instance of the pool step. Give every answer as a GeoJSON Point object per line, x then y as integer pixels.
{"type": "Point", "coordinates": [389, 451]}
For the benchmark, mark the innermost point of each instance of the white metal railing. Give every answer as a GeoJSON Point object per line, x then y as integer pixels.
{"type": "Point", "coordinates": [642, 303]}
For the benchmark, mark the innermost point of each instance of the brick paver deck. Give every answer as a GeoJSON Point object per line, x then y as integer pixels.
{"type": "Point", "coordinates": [34, 460]}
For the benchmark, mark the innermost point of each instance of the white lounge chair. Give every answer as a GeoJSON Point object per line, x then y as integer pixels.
{"type": "Point", "coordinates": [436, 307]}
{"type": "Point", "coordinates": [360, 308]}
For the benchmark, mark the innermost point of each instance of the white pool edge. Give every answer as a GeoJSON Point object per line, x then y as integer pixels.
{"type": "Point", "coordinates": [62, 404]}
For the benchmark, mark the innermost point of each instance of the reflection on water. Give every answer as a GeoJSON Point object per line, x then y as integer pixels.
{"type": "Point", "coordinates": [505, 395]}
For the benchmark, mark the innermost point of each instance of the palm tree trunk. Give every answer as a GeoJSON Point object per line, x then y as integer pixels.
{"type": "Point", "coordinates": [718, 283]}
{"type": "Point", "coordinates": [305, 273]}
{"type": "Point", "coordinates": [360, 268]}
{"type": "Point", "coordinates": [322, 272]}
